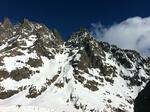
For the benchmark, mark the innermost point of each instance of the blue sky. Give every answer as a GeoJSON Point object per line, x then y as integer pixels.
{"type": "Point", "coordinates": [68, 15]}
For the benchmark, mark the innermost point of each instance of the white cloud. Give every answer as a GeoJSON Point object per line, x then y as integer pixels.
{"type": "Point", "coordinates": [133, 33]}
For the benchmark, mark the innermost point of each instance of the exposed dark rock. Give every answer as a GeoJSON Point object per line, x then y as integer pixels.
{"type": "Point", "coordinates": [4, 74]}
{"type": "Point", "coordinates": [133, 81]}
{"type": "Point", "coordinates": [59, 38]}
{"type": "Point", "coordinates": [119, 110]}
{"type": "Point", "coordinates": [120, 56]}
{"type": "Point", "coordinates": [91, 53]}
{"type": "Point", "coordinates": [109, 80]}
{"type": "Point", "coordinates": [8, 93]}
{"type": "Point", "coordinates": [7, 23]}
{"type": "Point", "coordinates": [26, 24]}
{"type": "Point", "coordinates": [33, 92]}
{"type": "Point", "coordinates": [80, 78]}
{"type": "Point", "coordinates": [59, 84]}
{"type": "Point", "coordinates": [50, 81]}
{"type": "Point", "coordinates": [142, 102]}
{"type": "Point", "coordinates": [34, 62]}
{"type": "Point", "coordinates": [1, 88]}
{"type": "Point", "coordinates": [92, 85]}
{"type": "Point", "coordinates": [20, 74]}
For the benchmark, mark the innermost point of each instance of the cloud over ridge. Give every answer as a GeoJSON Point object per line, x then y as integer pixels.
{"type": "Point", "coordinates": [133, 33]}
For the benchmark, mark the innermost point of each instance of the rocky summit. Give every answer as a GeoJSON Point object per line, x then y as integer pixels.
{"type": "Point", "coordinates": [39, 72]}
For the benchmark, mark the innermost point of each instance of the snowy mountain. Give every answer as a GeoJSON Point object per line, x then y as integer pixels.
{"type": "Point", "coordinates": [39, 72]}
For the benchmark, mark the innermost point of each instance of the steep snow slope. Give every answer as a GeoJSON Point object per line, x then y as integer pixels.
{"type": "Point", "coordinates": [41, 73]}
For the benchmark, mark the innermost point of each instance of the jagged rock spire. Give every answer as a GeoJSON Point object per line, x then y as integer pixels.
{"type": "Point", "coordinates": [7, 23]}
{"type": "Point", "coordinates": [83, 29]}
{"type": "Point", "coordinates": [81, 36]}
{"type": "Point", "coordinates": [25, 21]}
{"type": "Point", "coordinates": [58, 36]}
{"type": "Point", "coordinates": [25, 24]}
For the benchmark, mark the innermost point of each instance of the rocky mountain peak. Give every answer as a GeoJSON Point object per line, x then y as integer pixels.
{"type": "Point", "coordinates": [59, 38]}
{"type": "Point", "coordinates": [26, 25]}
{"type": "Point", "coordinates": [25, 21]}
{"type": "Point", "coordinates": [80, 36]}
{"type": "Point", "coordinates": [7, 23]}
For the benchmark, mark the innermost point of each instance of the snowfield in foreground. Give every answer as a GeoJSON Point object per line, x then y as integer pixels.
{"type": "Point", "coordinates": [24, 109]}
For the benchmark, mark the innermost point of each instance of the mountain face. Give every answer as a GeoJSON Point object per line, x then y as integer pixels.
{"type": "Point", "coordinates": [143, 100]}
{"type": "Point", "coordinates": [40, 72]}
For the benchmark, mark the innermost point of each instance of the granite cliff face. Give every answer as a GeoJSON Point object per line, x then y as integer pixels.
{"type": "Point", "coordinates": [39, 69]}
